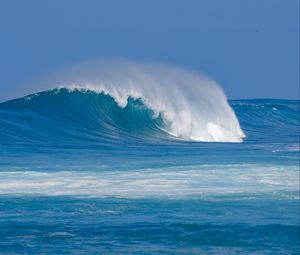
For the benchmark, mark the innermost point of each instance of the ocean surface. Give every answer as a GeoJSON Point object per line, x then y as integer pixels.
{"type": "Point", "coordinates": [82, 174]}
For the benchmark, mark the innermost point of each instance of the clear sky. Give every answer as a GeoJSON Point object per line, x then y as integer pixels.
{"type": "Point", "coordinates": [250, 47]}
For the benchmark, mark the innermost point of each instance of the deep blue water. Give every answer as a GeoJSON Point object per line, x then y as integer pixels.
{"type": "Point", "coordinates": [81, 175]}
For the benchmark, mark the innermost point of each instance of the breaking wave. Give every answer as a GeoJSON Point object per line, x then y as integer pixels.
{"type": "Point", "coordinates": [121, 98]}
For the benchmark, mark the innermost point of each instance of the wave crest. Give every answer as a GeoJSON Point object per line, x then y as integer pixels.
{"type": "Point", "coordinates": [191, 107]}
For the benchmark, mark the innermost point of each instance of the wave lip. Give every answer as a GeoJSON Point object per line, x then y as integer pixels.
{"type": "Point", "coordinates": [183, 104]}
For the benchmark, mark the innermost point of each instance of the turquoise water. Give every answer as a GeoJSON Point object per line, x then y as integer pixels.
{"type": "Point", "coordinates": [81, 175]}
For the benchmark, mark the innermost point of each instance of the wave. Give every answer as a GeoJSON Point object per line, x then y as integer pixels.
{"type": "Point", "coordinates": [118, 99]}
{"type": "Point", "coordinates": [80, 115]}
{"type": "Point", "coordinates": [63, 116]}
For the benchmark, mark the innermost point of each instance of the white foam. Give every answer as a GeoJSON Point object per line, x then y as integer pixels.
{"type": "Point", "coordinates": [163, 182]}
{"type": "Point", "coordinates": [194, 106]}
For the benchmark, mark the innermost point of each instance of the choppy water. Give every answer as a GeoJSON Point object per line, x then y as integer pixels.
{"type": "Point", "coordinates": [81, 175]}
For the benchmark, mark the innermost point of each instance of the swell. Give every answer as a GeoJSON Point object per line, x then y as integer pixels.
{"type": "Point", "coordinates": [269, 120]}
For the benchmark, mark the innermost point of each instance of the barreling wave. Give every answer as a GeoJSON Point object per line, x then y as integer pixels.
{"type": "Point", "coordinates": [118, 99]}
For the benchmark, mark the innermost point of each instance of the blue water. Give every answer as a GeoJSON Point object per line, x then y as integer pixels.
{"type": "Point", "coordinates": [81, 175]}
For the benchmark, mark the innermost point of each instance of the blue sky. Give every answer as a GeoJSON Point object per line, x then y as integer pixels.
{"type": "Point", "coordinates": [250, 47]}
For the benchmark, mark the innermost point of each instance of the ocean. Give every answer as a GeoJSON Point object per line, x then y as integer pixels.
{"type": "Point", "coordinates": [82, 173]}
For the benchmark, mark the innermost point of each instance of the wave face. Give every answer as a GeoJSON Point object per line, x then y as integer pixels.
{"type": "Point", "coordinates": [72, 116]}
{"type": "Point", "coordinates": [63, 116]}
{"type": "Point", "coordinates": [183, 104]}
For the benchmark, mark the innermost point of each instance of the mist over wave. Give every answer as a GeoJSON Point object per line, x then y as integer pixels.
{"type": "Point", "coordinates": [190, 106]}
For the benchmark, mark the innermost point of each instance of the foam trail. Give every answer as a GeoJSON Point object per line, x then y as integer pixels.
{"type": "Point", "coordinates": [193, 106]}
{"type": "Point", "coordinates": [198, 180]}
